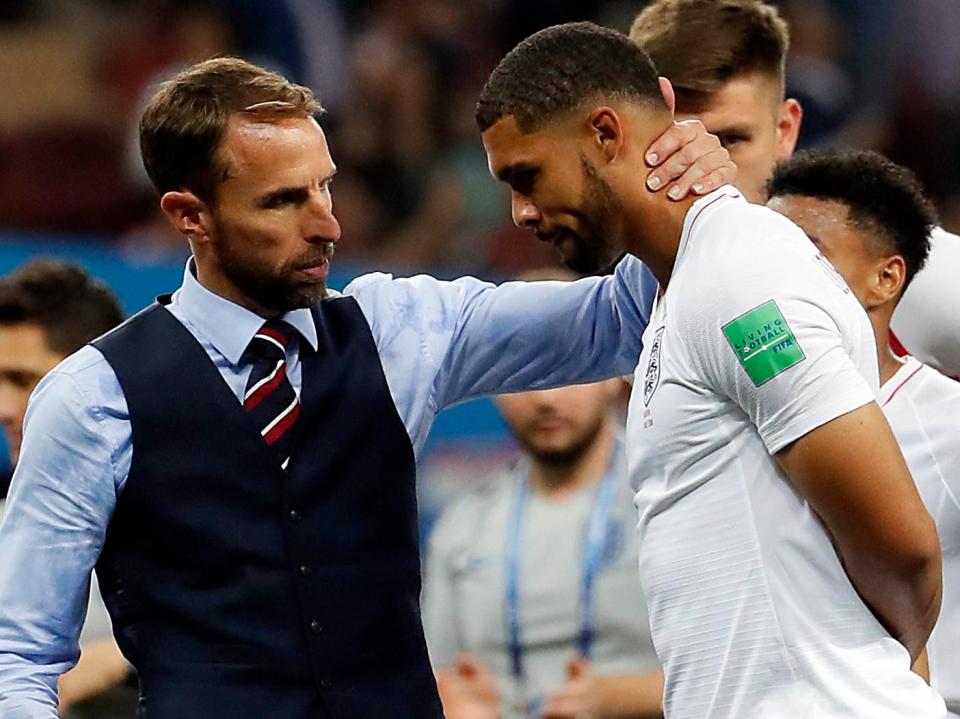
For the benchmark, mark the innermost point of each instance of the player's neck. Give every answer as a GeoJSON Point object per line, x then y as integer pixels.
{"type": "Point", "coordinates": [656, 224]}
{"type": "Point", "coordinates": [888, 362]}
{"type": "Point", "coordinates": [555, 481]}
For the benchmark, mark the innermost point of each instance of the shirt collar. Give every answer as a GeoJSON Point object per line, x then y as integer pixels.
{"type": "Point", "coordinates": [698, 208]}
{"type": "Point", "coordinates": [227, 325]}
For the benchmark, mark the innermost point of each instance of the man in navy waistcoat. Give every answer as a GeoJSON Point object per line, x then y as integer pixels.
{"type": "Point", "coordinates": [237, 460]}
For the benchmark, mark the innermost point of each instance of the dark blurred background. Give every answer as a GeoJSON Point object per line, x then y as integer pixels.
{"type": "Point", "coordinates": [399, 79]}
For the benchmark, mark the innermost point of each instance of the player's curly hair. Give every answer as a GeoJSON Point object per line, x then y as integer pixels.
{"type": "Point", "coordinates": [886, 201]}
{"type": "Point", "coordinates": [559, 68]}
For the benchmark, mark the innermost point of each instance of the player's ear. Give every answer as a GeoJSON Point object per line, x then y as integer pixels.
{"type": "Point", "coordinates": [669, 96]}
{"type": "Point", "coordinates": [188, 213]}
{"type": "Point", "coordinates": [789, 118]}
{"type": "Point", "coordinates": [606, 130]}
{"type": "Point", "coordinates": [891, 276]}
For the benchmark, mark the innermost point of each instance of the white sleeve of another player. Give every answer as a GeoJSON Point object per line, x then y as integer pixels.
{"type": "Point", "coordinates": [779, 354]}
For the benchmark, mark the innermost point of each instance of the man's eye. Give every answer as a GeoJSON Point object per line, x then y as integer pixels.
{"type": "Point", "coordinates": [276, 201]}
{"type": "Point", "coordinates": [729, 141]}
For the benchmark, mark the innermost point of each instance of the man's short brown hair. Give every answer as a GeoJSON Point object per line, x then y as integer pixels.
{"type": "Point", "coordinates": [184, 122]}
{"type": "Point", "coordinates": [71, 307]}
{"type": "Point", "coordinates": [699, 45]}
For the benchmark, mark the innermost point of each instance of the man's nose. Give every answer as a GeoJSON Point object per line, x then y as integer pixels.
{"type": "Point", "coordinates": [525, 213]}
{"type": "Point", "coordinates": [322, 224]}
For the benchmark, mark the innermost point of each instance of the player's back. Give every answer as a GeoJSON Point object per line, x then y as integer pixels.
{"type": "Point", "coordinates": [923, 408]}
{"type": "Point", "coordinates": [756, 342]}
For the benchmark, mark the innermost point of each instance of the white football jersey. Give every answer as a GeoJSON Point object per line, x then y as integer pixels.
{"type": "Point", "coordinates": [927, 319]}
{"type": "Point", "coordinates": [756, 342]}
{"type": "Point", "coordinates": [923, 408]}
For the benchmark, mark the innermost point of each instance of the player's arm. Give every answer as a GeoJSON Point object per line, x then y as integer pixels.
{"type": "Point", "coordinates": [61, 498]}
{"type": "Point", "coordinates": [852, 473]}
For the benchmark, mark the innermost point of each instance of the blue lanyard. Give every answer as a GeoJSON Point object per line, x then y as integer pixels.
{"type": "Point", "coordinates": [592, 561]}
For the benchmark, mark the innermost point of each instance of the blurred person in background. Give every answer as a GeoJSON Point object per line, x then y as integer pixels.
{"type": "Point", "coordinates": [726, 60]}
{"type": "Point", "coordinates": [869, 217]}
{"type": "Point", "coordinates": [48, 310]}
{"type": "Point", "coordinates": [532, 579]}
{"type": "Point", "coordinates": [277, 427]}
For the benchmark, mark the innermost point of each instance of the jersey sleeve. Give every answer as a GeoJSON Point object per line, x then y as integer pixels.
{"type": "Point", "coordinates": [774, 346]}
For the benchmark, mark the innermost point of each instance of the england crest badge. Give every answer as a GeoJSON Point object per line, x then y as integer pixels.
{"type": "Point", "coordinates": [652, 377]}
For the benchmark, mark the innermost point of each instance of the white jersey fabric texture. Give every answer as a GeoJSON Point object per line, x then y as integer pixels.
{"type": "Point", "coordinates": [464, 595]}
{"type": "Point", "coordinates": [923, 408]}
{"type": "Point", "coordinates": [927, 319]}
{"type": "Point", "coordinates": [756, 342]}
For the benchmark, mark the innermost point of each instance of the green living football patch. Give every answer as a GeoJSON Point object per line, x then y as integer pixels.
{"type": "Point", "coordinates": [763, 342]}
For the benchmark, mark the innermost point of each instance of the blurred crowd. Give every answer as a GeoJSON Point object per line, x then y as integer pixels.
{"type": "Point", "coordinates": [398, 81]}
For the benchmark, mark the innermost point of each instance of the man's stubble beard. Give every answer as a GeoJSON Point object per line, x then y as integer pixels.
{"type": "Point", "coordinates": [272, 291]}
{"type": "Point", "coordinates": [569, 455]}
{"type": "Point", "coordinates": [599, 245]}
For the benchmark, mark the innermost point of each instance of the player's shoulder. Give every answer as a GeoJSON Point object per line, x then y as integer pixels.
{"type": "Point", "coordinates": [924, 387]}
{"type": "Point", "coordinates": [732, 249]}
{"type": "Point", "coordinates": [725, 233]}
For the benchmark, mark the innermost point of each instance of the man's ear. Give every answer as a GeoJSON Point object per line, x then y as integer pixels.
{"type": "Point", "coordinates": [188, 214]}
{"type": "Point", "coordinates": [890, 278]}
{"type": "Point", "coordinates": [607, 131]}
{"type": "Point", "coordinates": [789, 118]}
{"type": "Point", "coordinates": [669, 96]}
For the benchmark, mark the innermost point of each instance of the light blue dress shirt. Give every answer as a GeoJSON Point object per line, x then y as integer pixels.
{"type": "Point", "coordinates": [440, 343]}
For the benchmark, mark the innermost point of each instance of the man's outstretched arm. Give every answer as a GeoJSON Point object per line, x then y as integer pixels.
{"type": "Point", "coordinates": [523, 336]}
{"type": "Point", "coordinates": [851, 472]}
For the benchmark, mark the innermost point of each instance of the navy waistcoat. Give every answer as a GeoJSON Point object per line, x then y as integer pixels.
{"type": "Point", "coordinates": [239, 590]}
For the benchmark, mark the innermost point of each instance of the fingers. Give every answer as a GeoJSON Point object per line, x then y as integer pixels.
{"type": "Point", "coordinates": [697, 163]}
{"type": "Point", "coordinates": [676, 136]}
{"type": "Point", "coordinates": [705, 175]}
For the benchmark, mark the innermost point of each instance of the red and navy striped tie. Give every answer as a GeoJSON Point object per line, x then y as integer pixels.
{"type": "Point", "coordinates": [269, 398]}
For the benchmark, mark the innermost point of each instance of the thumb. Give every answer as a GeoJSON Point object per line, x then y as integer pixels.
{"type": "Point", "coordinates": [576, 667]}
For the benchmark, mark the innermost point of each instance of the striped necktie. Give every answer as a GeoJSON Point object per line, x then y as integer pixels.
{"type": "Point", "coordinates": [269, 398]}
